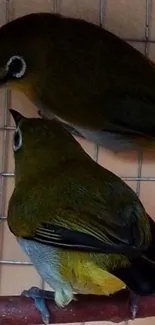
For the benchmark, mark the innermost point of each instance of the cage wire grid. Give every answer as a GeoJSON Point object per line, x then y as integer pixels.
{"type": "Point", "coordinates": [5, 128]}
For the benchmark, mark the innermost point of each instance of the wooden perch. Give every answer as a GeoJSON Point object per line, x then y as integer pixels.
{"type": "Point", "coordinates": [16, 310]}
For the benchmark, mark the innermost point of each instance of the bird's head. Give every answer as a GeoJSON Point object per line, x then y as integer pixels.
{"type": "Point", "coordinates": [40, 145]}
{"type": "Point", "coordinates": [23, 53]}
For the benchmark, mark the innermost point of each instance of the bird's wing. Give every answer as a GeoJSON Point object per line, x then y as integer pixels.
{"type": "Point", "coordinates": [124, 119]}
{"type": "Point", "coordinates": [123, 128]}
{"type": "Point", "coordinates": [86, 221]}
{"type": "Point", "coordinates": [106, 240]}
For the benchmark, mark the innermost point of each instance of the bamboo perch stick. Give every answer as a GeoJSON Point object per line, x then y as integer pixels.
{"type": "Point", "coordinates": [16, 310]}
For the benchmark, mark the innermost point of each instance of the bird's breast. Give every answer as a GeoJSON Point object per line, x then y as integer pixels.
{"type": "Point", "coordinates": [45, 259]}
{"type": "Point", "coordinates": [59, 267]}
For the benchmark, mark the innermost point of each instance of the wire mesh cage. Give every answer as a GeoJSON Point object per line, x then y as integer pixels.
{"type": "Point", "coordinates": [132, 20]}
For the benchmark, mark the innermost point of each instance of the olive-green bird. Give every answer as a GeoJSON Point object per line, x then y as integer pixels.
{"type": "Point", "coordinates": [83, 75]}
{"type": "Point", "coordinates": [83, 228]}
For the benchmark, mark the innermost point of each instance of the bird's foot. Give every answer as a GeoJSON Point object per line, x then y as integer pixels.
{"type": "Point", "coordinates": [42, 115]}
{"type": "Point", "coordinates": [46, 115]}
{"type": "Point", "coordinates": [68, 127]}
{"type": "Point", "coordinates": [134, 304]}
{"type": "Point", "coordinates": [39, 296]}
{"type": "Point", "coordinates": [71, 130]}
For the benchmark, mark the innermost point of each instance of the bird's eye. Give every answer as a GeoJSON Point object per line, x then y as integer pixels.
{"type": "Point", "coordinates": [16, 66]}
{"type": "Point", "coordinates": [17, 140]}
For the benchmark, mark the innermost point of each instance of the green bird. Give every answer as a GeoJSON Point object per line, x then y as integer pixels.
{"type": "Point", "coordinates": [99, 86]}
{"type": "Point", "coordinates": [83, 228]}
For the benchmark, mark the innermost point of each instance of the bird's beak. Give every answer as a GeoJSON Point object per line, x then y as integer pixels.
{"type": "Point", "coordinates": [3, 76]}
{"type": "Point", "coordinates": [16, 116]}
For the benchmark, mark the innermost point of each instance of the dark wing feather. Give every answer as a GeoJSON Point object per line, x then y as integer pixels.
{"type": "Point", "coordinates": [66, 238]}
{"type": "Point", "coordinates": [90, 208]}
{"type": "Point", "coordinates": [123, 118]}
{"type": "Point", "coordinates": [106, 233]}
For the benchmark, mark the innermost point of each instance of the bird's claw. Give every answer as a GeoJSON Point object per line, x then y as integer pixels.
{"type": "Point", "coordinates": [41, 306]}
{"type": "Point", "coordinates": [134, 304]}
{"type": "Point", "coordinates": [41, 114]}
{"type": "Point", "coordinates": [71, 130]}
{"type": "Point", "coordinates": [46, 115]}
{"type": "Point", "coordinates": [39, 297]}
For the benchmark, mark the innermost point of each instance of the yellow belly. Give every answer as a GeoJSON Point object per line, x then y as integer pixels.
{"type": "Point", "coordinates": [86, 276]}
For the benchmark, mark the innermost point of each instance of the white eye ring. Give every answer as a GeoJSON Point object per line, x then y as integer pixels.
{"type": "Point", "coordinates": [17, 139]}
{"type": "Point", "coordinates": [23, 67]}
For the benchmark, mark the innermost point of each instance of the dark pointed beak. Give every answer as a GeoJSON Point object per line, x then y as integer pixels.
{"type": "Point", "coordinates": [16, 116]}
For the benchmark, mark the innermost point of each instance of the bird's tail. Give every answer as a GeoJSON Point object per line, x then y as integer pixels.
{"type": "Point", "coordinates": [139, 276]}
{"type": "Point", "coordinates": [150, 252]}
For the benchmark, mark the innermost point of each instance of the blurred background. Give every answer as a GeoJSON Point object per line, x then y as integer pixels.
{"type": "Point", "coordinates": [134, 21]}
